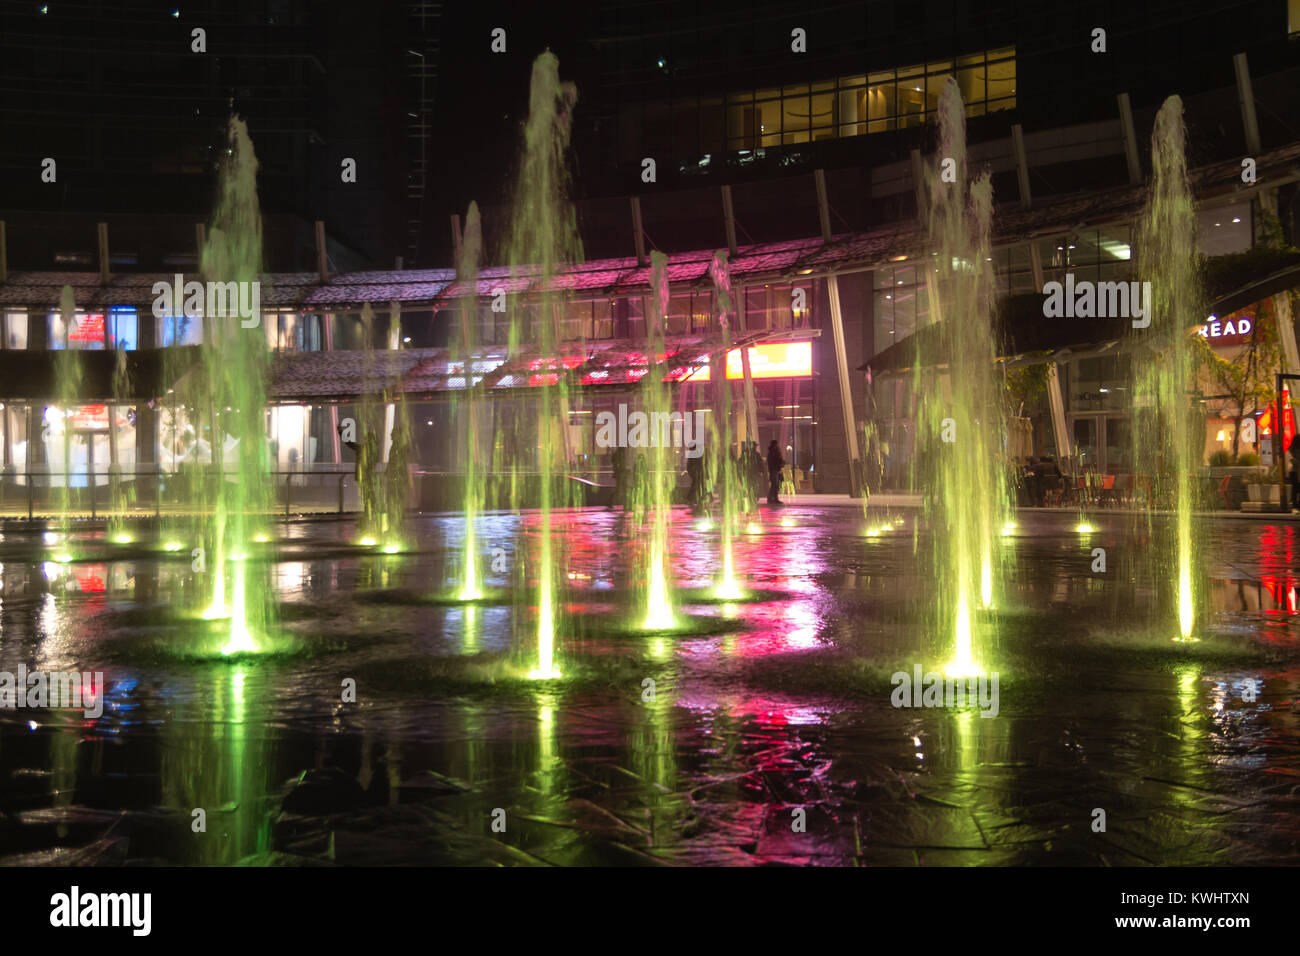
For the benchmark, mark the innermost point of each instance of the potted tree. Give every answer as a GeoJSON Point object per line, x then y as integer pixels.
{"type": "Point", "coordinates": [1261, 486]}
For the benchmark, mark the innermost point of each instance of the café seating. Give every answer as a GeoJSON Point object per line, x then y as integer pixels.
{"type": "Point", "coordinates": [1106, 495]}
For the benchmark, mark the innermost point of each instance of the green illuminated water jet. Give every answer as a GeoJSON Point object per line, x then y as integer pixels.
{"type": "Point", "coordinates": [543, 238]}
{"type": "Point", "coordinates": [67, 378]}
{"type": "Point", "coordinates": [383, 421]}
{"type": "Point", "coordinates": [468, 400]}
{"type": "Point", "coordinates": [120, 497]}
{"type": "Point", "coordinates": [232, 392]}
{"type": "Point", "coordinates": [724, 469]}
{"type": "Point", "coordinates": [1168, 433]}
{"type": "Point", "coordinates": [370, 487]}
{"type": "Point", "coordinates": [655, 400]}
{"type": "Point", "coordinates": [397, 429]}
{"type": "Point", "coordinates": [963, 418]}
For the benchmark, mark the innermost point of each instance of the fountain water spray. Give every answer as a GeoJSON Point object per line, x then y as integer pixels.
{"type": "Point", "coordinates": [725, 471]}
{"type": "Point", "coordinates": [67, 378]}
{"type": "Point", "coordinates": [1168, 436]}
{"type": "Point", "coordinates": [120, 498]}
{"type": "Point", "coordinates": [232, 391]}
{"type": "Point", "coordinates": [544, 237]}
{"type": "Point", "coordinates": [370, 489]}
{"type": "Point", "coordinates": [464, 351]}
{"type": "Point", "coordinates": [655, 400]}
{"type": "Point", "coordinates": [965, 424]}
{"type": "Point", "coordinates": [397, 436]}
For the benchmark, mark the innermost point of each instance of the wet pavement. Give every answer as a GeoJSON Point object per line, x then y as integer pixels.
{"type": "Point", "coordinates": [761, 732]}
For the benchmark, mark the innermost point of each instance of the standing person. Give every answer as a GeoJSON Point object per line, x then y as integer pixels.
{"type": "Point", "coordinates": [755, 459]}
{"type": "Point", "coordinates": [775, 462]}
{"type": "Point", "coordinates": [742, 482]}
{"type": "Point", "coordinates": [1294, 451]}
{"type": "Point", "coordinates": [695, 471]}
{"type": "Point", "coordinates": [618, 462]}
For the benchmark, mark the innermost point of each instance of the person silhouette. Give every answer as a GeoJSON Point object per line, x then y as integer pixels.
{"type": "Point", "coordinates": [775, 462]}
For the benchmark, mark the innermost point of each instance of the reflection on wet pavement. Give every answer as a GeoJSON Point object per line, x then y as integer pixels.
{"type": "Point", "coordinates": [759, 732]}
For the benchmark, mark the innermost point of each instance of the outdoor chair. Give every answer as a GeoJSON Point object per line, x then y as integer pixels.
{"type": "Point", "coordinates": [1107, 496]}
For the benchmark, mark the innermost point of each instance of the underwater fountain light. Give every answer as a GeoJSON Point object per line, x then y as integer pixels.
{"type": "Point", "coordinates": [367, 542]}
{"type": "Point", "coordinates": [704, 524]}
{"type": "Point", "coordinates": [241, 641]}
{"type": "Point", "coordinates": [392, 548]}
{"type": "Point", "coordinates": [753, 528]}
{"type": "Point", "coordinates": [1008, 529]}
{"type": "Point", "coordinates": [963, 662]}
{"type": "Point", "coordinates": [659, 610]}
{"type": "Point", "coordinates": [1084, 528]}
{"type": "Point", "coordinates": [172, 546]}
{"type": "Point", "coordinates": [1186, 608]}
{"type": "Point", "coordinates": [469, 591]}
{"type": "Point", "coordinates": [729, 590]}
{"type": "Point", "coordinates": [122, 538]}
{"type": "Point", "coordinates": [261, 539]}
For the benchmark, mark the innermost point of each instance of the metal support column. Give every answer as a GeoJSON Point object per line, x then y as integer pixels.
{"type": "Point", "coordinates": [846, 396]}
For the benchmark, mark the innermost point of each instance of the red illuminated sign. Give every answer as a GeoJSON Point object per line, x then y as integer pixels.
{"type": "Point", "coordinates": [1288, 420]}
{"type": "Point", "coordinates": [1235, 329]}
{"type": "Point", "coordinates": [90, 328]}
{"type": "Point", "coordinates": [90, 416]}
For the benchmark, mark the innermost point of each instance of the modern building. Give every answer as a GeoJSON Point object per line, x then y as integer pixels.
{"type": "Point", "coordinates": [118, 113]}
{"type": "Point", "coordinates": [810, 184]}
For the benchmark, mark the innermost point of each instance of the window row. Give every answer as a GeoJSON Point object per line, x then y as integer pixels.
{"type": "Point", "coordinates": [694, 126]}
{"type": "Point", "coordinates": [868, 103]}
{"type": "Point", "coordinates": [767, 306]}
{"type": "Point", "coordinates": [121, 328]}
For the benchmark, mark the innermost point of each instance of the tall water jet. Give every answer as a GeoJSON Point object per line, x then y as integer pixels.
{"type": "Point", "coordinates": [397, 438]}
{"type": "Point", "coordinates": [1168, 446]}
{"type": "Point", "coordinates": [236, 360]}
{"type": "Point", "coordinates": [725, 470]}
{"type": "Point", "coordinates": [544, 238]}
{"type": "Point", "coordinates": [464, 351]}
{"type": "Point", "coordinates": [369, 450]}
{"type": "Point", "coordinates": [655, 401]}
{"type": "Point", "coordinates": [120, 497]}
{"type": "Point", "coordinates": [67, 383]}
{"type": "Point", "coordinates": [963, 415]}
